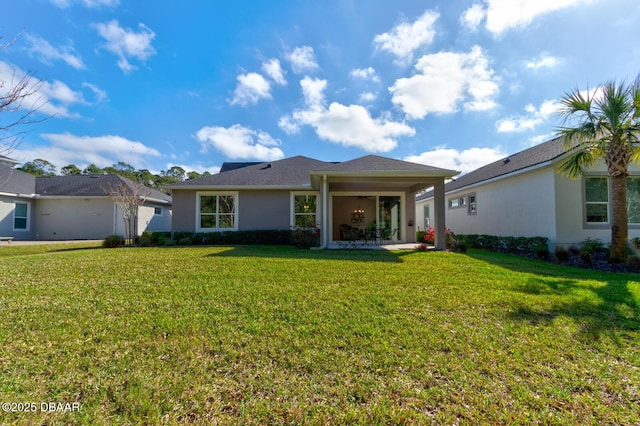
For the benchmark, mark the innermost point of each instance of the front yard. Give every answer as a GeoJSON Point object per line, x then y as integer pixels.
{"type": "Point", "coordinates": [277, 335]}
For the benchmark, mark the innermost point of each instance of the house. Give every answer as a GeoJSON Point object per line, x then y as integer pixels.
{"type": "Point", "coordinates": [70, 207]}
{"type": "Point", "coordinates": [523, 195]}
{"type": "Point", "coordinates": [370, 192]}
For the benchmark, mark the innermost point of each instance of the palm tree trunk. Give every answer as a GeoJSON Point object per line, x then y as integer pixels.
{"type": "Point", "coordinates": [619, 220]}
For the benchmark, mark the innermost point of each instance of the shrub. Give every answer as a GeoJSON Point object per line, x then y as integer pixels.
{"type": "Point", "coordinates": [541, 251]}
{"type": "Point", "coordinates": [588, 248]}
{"type": "Point", "coordinates": [145, 240]}
{"type": "Point", "coordinates": [562, 254]}
{"type": "Point", "coordinates": [113, 241]}
{"type": "Point", "coordinates": [185, 241]}
{"type": "Point", "coordinates": [421, 247]}
{"type": "Point", "coordinates": [633, 263]}
{"type": "Point", "coordinates": [429, 236]}
{"type": "Point", "coordinates": [305, 237]}
{"type": "Point", "coordinates": [460, 246]}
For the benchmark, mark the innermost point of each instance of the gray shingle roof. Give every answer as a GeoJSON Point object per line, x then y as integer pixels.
{"type": "Point", "coordinates": [375, 163]}
{"type": "Point", "coordinates": [86, 186]}
{"type": "Point", "coordinates": [16, 182]}
{"type": "Point", "coordinates": [539, 154]}
{"type": "Point", "coordinates": [292, 172]}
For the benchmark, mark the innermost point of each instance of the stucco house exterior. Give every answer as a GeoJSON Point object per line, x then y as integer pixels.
{"type": "Point", "coordinates": [523, 195]}
{"type": "Point", "coordinates": [370, 192]}
{"type": "Point", "coordinates": [70, 207]}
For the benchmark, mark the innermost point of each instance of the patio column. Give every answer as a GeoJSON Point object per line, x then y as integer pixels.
{"type": "Point", "coordinates": [438, 215]}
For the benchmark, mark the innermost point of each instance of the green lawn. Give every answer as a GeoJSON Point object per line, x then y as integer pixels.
{"type": "Point", "coordinates": [276, 335]}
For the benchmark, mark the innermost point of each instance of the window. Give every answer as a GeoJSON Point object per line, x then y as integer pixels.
{"type": "Point", "coordinates": [427, 219]}
{"type": "Point", "coordinates": [596, 195]}
{"type": "Point", "coordinates": [633, 200]}
{"type": "Point", "coordinates": [21, 217]}
{"type": "Point", "coordinates": [157, 211]}
{"type": "Point", "coordinates": [305, 210]}
{"type": "Point", "coordinates": [216, 211]}
{"type": "Point", "coordinates": [472, 204]}
{"type": "Point", "coordinates": [457, 202]}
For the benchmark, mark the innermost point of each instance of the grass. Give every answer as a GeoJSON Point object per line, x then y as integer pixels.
{"type": "Point", "coordinates": [275, 335]}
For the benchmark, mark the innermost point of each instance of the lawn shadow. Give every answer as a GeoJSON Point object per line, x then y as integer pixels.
{"type": "Point", "coordinates": [289, 252]}
{"type": "Point", "coordinates": [605, 306]}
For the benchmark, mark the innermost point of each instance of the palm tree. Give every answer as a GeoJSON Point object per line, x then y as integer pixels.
{"type": "Point", "coordinates": [604, 125]}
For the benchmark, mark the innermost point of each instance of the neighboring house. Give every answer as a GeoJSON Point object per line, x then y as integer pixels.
{"type": "Point", "coordinates": [70, 207]}
{"type": "Point", "coordinates": [364, 193]}
{"type": "Point", "coordinates": [523, 195]}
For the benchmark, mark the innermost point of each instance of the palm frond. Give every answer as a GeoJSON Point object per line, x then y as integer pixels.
{"type": "Point", "coordinates": [573, 167]}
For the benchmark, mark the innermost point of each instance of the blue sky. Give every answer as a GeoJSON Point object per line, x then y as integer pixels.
{"type": "Point", "coordinates": [196, 83]}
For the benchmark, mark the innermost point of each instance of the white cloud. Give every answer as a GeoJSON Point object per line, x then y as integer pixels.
{"type": "Point", "coordinates": [47, 53]}
{"type": "Point", "coordinates": [302, 59]}
{"type": "Point", "coordinates": [250, 89]}
{"type": "Point", "coordinates": [365, 74]}
{"type": "Point", "coordinates": [502, 15]}
{"type": "Point", "coordinates": [350, 126]}
{"type": "Point", "coordinates": [444, 81]}
{"type": "Point", "coordinates": [529, 121]}
{"type": "Point", "coordinates": [472, 17]}
{"type": "Point", "coordinates": [242, 143]}
{"type": "Point", "coordinates": [275, 72]}
{"type": "Point", "coordinates": [63, 4]}
{"type": "Point", "coordinates": [66, 148]}
{"type": "Point", "coordinates": [543, 61]}
{"type": "Point", "coordinates": [405, 38]}
{"type": "Point", "coordinates": [52, 98]}
{"type": "Point", "coordinates": [367, 97]}
{"type": "Point", "coordinates": [127, 44]}
{"type": "Point", "coordinates": [463, 161]}
{"type": "Point", "coordinates": [100, 95]}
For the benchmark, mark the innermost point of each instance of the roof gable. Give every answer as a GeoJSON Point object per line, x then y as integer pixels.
{"type": "Point", "coordinates": [375, 163]}
{"type": "Point", "coordinates": [546, 152]}
{"type": "Point", "coordinates": [16, 181]}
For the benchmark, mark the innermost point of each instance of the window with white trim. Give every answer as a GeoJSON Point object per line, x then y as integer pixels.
{"type": "Point", "coordinates": [217, 211]}
{"type": "Point", "coordinates": [21, 216]}
{"type": "Point", "coordinates": [473, 207]}
{"type": "Point", "coordinates": [305, 210]}
{"type": "Point", "coordinates": [596, 199]}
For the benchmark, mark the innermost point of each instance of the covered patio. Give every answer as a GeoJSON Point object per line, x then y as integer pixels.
{"type": "Point", "coordinates": [372, 199]}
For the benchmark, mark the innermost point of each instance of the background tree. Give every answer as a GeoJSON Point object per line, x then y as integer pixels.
{"type": "Point", "coordinates": [19, 101]}
{"type": "Point", "coordinates": [605, 125]}
{"type": "Point", "coordinates": [92, 169]}
{"type": "Point", "coordinates": [71, 169]}
{"type": "Point", "coordinates": [39, 167]}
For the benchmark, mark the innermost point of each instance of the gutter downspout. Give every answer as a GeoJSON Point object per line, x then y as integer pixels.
{"type": "Point", "coordinates": [325, 219]}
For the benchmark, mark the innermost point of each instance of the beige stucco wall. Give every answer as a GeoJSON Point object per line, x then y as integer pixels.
{"type": "Point", "coordinates": [520, 206]}
{"type": "Point", "coordinates": [571, 229]}
{"type": "Point", "coordinates": [7, 205]}
{"type": "Point", "coordinates": [149, 221]}
{"type": "Point", "coordinates": [538, 203]}
{"type": "Point", "coordinates": [69, 219]}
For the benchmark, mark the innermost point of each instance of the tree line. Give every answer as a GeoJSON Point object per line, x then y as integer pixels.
{"type": "Point", "coordinates": [175, 174]}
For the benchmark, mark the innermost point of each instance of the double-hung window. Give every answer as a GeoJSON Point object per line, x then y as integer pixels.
{"type": "Point", "coordinates": [217, 211]}
{"type": "Point", "coordinates": [596, 197]}
{"type": "Point", "coordinates": [305, 210]}
{"type": "Point", "coordinates": [21, 216]}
